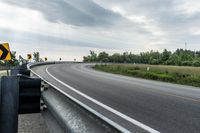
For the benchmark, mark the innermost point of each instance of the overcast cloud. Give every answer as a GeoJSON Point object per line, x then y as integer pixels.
{"type": "Point", "coordinates": [70, 28]}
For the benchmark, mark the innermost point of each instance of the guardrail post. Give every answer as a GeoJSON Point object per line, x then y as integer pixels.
{"type": "Point", "coordinates": [9, 104]}
{"type": "Point", "coordinates": [29, 95]}
{"type": "Point", "coordinates": [29, 90]}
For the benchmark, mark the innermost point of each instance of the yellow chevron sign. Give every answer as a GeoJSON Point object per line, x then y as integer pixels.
{"type": "Point", "coordinates": [29, 56]}
{"type": "Point", "coordinates": [5, 52]}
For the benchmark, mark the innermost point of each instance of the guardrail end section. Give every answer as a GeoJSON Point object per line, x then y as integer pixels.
{"type": "Point", "coordinates": [9, 104]}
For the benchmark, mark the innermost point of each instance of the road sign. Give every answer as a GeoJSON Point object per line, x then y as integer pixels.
{"type": "Point", "coordinates": [5, 52]}
{"type": "Point", "coordinates": [45, 58]}
{"type": "Point", "coordinates": [29, 56]}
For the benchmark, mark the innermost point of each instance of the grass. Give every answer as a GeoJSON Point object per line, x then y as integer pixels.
{"type": "Point", "coordinates": [174, 74]}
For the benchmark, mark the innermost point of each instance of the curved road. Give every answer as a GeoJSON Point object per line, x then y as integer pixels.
{"type": "Point", "coordinates": [132, 104]}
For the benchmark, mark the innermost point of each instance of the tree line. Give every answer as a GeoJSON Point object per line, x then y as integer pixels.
{"type": "Point", "coordinates": [180, 57]}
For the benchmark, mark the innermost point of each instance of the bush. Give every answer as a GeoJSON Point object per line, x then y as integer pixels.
{"type": "Point", "coordinates": [191, 80]}
{"type": "Point", "coordinates": [196, 63]}
{"type": "Point", "coordinates": [151, 75]}
{"type": "Point", "coordinates": [186, 63]}
{"type": "Point", "coordinates": [154, 62]}
{"type": "Point", "coordinates": [136, 68]}
{"type": "Point", "coordinates": [132, 72]}
{"type": "Point", "coordinates": [166, 77]}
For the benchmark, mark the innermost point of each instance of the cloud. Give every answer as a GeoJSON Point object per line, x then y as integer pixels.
{"type": "Point", "coordinates": [52, 41]}
{"type": "Point", "coordinates": [111, 25]}
{"type": "Point", "coordinates": [73, 12]}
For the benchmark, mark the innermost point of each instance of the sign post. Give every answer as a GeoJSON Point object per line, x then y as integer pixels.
{"type": "Point", "coordinates": [7, 68]}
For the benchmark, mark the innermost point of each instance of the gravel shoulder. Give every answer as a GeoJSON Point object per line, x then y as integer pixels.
{"type": "Point", "coordinates": [32, 123]}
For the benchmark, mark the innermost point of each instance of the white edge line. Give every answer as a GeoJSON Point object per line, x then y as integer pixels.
{"type": "Point", "coordinates": [135, 122]}
{"type": "Point", "coordinates": [114, 124]}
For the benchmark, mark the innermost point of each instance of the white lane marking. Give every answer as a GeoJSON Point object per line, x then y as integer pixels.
{"type": "Point", "coordinates": [114, 124]}
{"type": "Point", "coordinates": [135, 122]}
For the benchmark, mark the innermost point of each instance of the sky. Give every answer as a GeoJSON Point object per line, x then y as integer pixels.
{"type": "Point", "coordinates": [69, 29]}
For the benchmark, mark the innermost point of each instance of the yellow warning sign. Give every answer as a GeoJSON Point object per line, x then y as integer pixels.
{"type": "Point", "coordinates": [29, 56]}
{"type": "Point", "coordinates": [5, 52]}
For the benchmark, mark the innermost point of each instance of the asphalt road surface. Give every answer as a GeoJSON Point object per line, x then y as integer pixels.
{"type": "Point", "coordinates": [132, 104]}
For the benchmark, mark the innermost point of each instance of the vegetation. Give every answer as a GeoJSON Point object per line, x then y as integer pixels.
{"type": "Point", "coordinates": [174, 74]}
{"type": "Point", "coordinates": [36, 57]}
{"type": "Point", "coordinates": [179, 58]}
{"type": "Point", "coordinates": [11, 63]}
{"type": "Point", "coordinates": [14, 61]}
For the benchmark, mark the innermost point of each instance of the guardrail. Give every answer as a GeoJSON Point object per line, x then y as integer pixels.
{"type": "Point", "coordinates": [19, 94]}
{"type": "Point", "coordinates": [64, 113]}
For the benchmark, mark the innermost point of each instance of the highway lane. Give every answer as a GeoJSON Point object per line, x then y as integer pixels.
{"type": "Point", "coordinates": [159, 106]}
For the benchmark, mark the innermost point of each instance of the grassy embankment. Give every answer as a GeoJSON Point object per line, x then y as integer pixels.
{"type": "Point", "coordinates": [174, 74]}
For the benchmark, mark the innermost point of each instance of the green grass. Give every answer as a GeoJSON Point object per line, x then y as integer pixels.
{"type": "Point", "coordinates": [174, 74]}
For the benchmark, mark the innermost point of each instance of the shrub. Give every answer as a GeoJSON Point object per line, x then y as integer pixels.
{"type": "Point", "coordinates": [154, 62]}
{"type": "Point", "coordinates": [196, 63]}
{"type": "Point", "coordinates": [186, 63]}
{"type": "Point", "coordinates": [151, 75]}
{"type": "Point", "coordinates": [166, 77]}
{"type": "Point", "coordinates": [132, 72]}
{"type": "Point", "coordinates": [136, 68]}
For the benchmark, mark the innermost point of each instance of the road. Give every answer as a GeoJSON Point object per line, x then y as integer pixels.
{"type": "Point", "coordinates": [132, 104]}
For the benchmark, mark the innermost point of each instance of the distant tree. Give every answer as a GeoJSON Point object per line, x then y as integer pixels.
{"type": "Point", "coordinates": [154, 61]}
{"type": "Point", "coordinates": [196, 63]}
{"type": "Point", "coordinates": [116, 58]}
{"type": "Point", "coordinates": [93, 56]}
{"type": "Point", "coordinates": [165, 55]}
{"type": "Point", "coordinates": [36, 56]}
{"type": "Point", "coordinates": [126, 57]}
{"type": "Point", "coordinates": [13, 61]}
{"type": "Point", "coordinates": [90, 58]}
{"type": "Point", "coordinates": [174, 59]}
{"type": "Point", "coordinates": [144, 57]}
{"type": "Point", "coordinates": [103, 57]}
{"type": "Point", "coordinates": [85, 59]}
{"type": "Point", "coordinates": [22, 60]}
{"type": "Point", "coordinates": [186, 63]}
{"type": "Point", "coordinates": [180, 57]}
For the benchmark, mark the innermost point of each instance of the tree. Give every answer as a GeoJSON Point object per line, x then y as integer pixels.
{"type": "Point", "coordinates": [174, 59]}
{"type": "Point", "coordinates": [196, 63]}
{"type": "Point", "coordinates": [103, 57]}
{"type": "Point", "coordinates": [179, 57]}
{"type": "Point", "coordinates": [90, 58]}
{"type": "Point", "coordinates": [36, 56]}
{"type": "Point", "coordinates": [116, 57]}
{"type": "Point", "coordinates": [13, 61]}
{"type": "Point", "coordinates": [126, 57]}
{"type": "Point", "coordinates": [165, 55]}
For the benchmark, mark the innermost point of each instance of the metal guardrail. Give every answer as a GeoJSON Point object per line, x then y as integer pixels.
{"type": "Point", "coordinates": [68, 113]}
{"type": "Point", "coordinates": [19, 94]}
{"type": "Point", "coordinates": [9, 104]}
